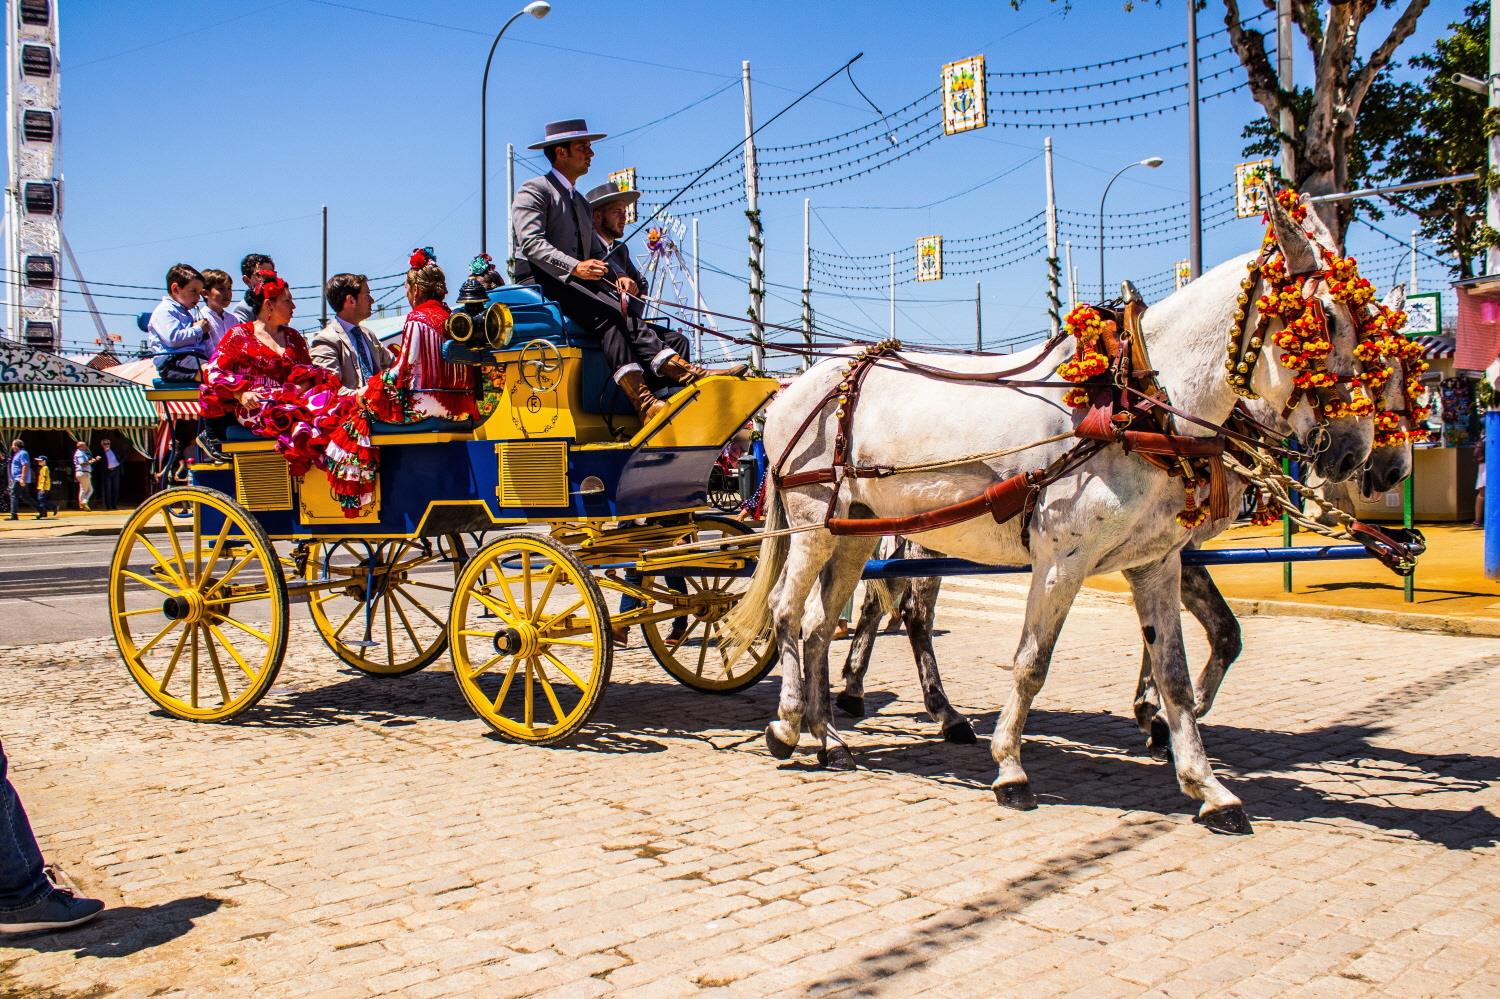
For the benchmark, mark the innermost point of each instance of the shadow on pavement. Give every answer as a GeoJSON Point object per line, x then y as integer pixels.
{"type": "Point", "coordinates": [123, 931]}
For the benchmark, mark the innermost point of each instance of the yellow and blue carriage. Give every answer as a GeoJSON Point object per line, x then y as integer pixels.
{"type": "Point", "coordinates": [495, 540]}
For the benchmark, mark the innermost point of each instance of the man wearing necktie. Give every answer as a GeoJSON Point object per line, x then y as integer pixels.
{"type": "Point", "coordinates": [344, 346]}
{"type": "Point", "coordinates": [556, 249]}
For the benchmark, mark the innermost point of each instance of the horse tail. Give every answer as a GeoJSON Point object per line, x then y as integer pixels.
{"type": "Point", "coordinates": [749, 618]}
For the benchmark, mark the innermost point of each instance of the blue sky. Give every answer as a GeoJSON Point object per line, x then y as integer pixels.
{"type": "Point", "coordinates": [198, 131]}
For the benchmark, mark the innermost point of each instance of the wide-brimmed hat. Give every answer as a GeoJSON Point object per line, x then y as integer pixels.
{"type": "Point", "coordinates": [555, 133]}
{"type": "Point", "coordinates": [607, 193]}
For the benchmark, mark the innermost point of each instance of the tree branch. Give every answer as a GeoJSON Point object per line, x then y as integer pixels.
{"type": "Point", "coordinates": [1250, 46]}
{"type": "Point", "coordinates": [1400, 32]}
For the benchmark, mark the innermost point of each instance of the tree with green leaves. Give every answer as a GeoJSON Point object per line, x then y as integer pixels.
{"type": "Point", "coordinates": [1326, 118]}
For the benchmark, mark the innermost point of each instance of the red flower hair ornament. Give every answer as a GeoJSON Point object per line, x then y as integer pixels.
{"type": "Point", "coordinates": [271, 285]}
{"type": "Point", "coordinates": [421, 257]}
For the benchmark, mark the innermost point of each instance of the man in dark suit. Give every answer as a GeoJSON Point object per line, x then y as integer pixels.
{"type": "Point", "coordinates": [610, 206]}
{"type": "Point", "coordinates": [555, 249]}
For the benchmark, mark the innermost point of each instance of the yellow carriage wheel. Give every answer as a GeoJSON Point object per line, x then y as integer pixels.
{"type": "Point", "coordinates": [388, 615]}
{"type": "Point", "coordinates": [530, 639]}
{"type": "Point", "coordinates": [198, 604]}
{"type": "Point", "coordinates": [697, 656]}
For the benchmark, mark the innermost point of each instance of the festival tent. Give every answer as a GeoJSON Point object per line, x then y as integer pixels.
{"type": "Point", "coordinates": [40, 391]}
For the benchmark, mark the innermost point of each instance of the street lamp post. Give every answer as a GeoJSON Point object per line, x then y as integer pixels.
{"type": "Point", "coordinates": [538, 9]}
{"type": "Point", "coordinates": [1151, 161]}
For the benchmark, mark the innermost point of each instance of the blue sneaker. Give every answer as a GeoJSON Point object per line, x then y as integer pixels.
{"type": "Point", "coordinates": [57, 910]}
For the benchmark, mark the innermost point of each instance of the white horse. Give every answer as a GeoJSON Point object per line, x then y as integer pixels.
{"type": "Point", "coordinates": [1115, 512]}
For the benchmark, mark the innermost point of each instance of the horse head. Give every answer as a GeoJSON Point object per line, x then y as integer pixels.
{"type": "Point", "coordinates": [1305, 319]}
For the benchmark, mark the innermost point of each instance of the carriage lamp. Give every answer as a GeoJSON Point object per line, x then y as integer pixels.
{"type": "Point", "coordinates": [1150, 161]}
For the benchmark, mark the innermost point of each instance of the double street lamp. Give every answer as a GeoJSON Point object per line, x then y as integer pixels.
{"type": "Point", "coordinates": [1151, 161]}
{"type": "Point", "coordinates": [537, 9]}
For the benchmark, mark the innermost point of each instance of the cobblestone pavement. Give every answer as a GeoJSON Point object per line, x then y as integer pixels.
{"type": "Point", "coordinates": [359, 837]}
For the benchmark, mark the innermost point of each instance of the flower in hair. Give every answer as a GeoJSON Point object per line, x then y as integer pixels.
{"type": "Point", "coordinates": [421, 257]}
{"type": "Point", "coordinates": [271, 285]}
{"type": "Point", "coordinates": [481, 264]}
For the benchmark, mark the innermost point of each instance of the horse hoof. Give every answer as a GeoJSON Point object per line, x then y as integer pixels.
{"type": "Point", "coordinates": [780, 750]}
{"type": "Point", "coordinates": [1230, 821]}
{"type": "Point", "coordinates": [837, 758]}
{"type": "Point", "coordinates": [1016, 796]}
{"type": "Point", "coordinates": [1160, 741]}
{"type": "Point", "coordinates": [850, 705]}
{"type": "Point", "coordinates": [960, 733]}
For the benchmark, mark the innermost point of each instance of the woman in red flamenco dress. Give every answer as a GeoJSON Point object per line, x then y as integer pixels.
{"type": "Point", "coordinates": [421, 385]}
{"type": "Point", "coordinates": [262, 375]}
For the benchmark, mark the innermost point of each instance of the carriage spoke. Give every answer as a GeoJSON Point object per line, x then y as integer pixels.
{"type": "Point", "coordinates": [563, 667]}
{"type": "Point", "coordinates": [213, 555]}
{"type": "Point", "coordinates": [487, 666]}
{"type": "Point", "coordinates": [546, 625]}
{"type": "Point", "coordinates": [406, 624]}
{"type": "Point", "coordinates": [359, 605]}
{"type": "Point", "coordinates": [541, 603]}
{"type": "Point", "coordinates": [530, 702]}
{"type": "Point", "coordinates": [493, 605]}
{"type": "Point", "coordinates": [213, 657]}
{"type": "Point", "coordinates": [233, 571]}
{"type": "Point", "coordinates": [164, 562]}
{"type": "Point", "coordinates": [510, 675]}
{"type": "Point", "coordinates": [582, 643]}
{"type": "Point", "coordinates": [430, 586]}
{"type": "Point", "coordinates": [148, 581]}
{"type": "Point", "coordinates": [233, 652]}
{"type": "Point", "coordinates": [703, 647]}
{"type": "Point", "coordinates": [141, 652]}
{"type": "Point", "coordinates": [166, 518]}
{"type": "Point", "coordinates": [390, 638]}
{"type": "Point", "coordinates": [243, 627]}
{"type": "Point", "coordinates": [166, 677]}
{"type": "Point", "coordinates": [420, 606]}
{"type": "Point", "coordinates": [193, 680]}
{"type": "Point", "coordinates": [549, 693]}
{"type": "Point", "coordinates": [526, 583]}
{"type": "Point", "coordinates": [477, 633]}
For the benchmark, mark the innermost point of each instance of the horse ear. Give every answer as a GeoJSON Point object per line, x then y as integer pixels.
{"type": "Point", "coordinates": [1395, 299]}
{"type": "Point", "coordinates": [1302, 256]}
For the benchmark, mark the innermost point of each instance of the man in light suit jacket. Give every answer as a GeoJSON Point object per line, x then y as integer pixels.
{"type": "Point", "coordinates": [555, 249]}
{"type": "Point", "coordinates": [344, 346]}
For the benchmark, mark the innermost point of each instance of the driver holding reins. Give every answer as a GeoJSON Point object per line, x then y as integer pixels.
{"type": "Point", "coordinates": [556, 249]}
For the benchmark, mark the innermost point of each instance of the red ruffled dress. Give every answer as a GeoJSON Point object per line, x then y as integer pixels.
{"type": "Point", "coordinates": [300, 406]}
{"type": "Point", "coordinates": [421, 384]}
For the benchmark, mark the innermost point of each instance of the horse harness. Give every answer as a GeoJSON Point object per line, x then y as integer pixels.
{"type": "Point", "coordinates": [1121, 408]}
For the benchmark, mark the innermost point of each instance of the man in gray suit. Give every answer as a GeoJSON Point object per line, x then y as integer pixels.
{"type": "Point", "coordinates": [344, 346]}
{"type": "Point", "coordinates": [556, 249]}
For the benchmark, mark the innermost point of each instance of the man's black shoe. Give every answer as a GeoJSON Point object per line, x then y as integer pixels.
{"type": "Point", "coordinates": [212, 448]}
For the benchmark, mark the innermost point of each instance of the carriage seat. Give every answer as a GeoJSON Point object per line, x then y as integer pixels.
{"type": "Point", "coordinates": [164, 384]}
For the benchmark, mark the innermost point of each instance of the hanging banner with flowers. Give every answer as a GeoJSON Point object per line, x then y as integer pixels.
{"type": "Point", "coordinates": [1183, 271]}
{"type": "Point", "coordinates": [929, 258]}
{"type": "Point", "coordinates": [963, 95]}
{"type": "Point", "coordinates": [1250, 188]}
{"type": "Point", "coordinates": [624, 180]}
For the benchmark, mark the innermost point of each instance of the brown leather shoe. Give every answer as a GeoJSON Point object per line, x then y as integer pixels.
{"type": "Point", "coordinates": [620, 635]}
{"type": "Point", "coordinates": [646, 405]}
{"type": "Point", "coordinates": [683, 372]}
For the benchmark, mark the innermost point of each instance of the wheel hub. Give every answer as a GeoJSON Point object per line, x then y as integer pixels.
{"type": "Point", "coordinates": [519, 640]}
{"type": "Point", "coordinates": [188, 606]}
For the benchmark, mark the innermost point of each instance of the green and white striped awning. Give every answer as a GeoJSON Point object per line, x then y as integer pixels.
{"type": "Point", "coordinates": [78, 409]}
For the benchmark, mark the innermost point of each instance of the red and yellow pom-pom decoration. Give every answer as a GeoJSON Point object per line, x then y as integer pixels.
{"type": "Point", "coordinates": [1264, 515]}
{"type": "Point", "coordinates": [1087, 327]}
{"type": "Point", "coordinates": [1191, 514]}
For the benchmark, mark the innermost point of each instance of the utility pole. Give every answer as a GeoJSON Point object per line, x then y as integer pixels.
{"type": "Point", "coordinates": [1195, 196]}
{"type": "Point", "coordinates": [757, 234]}
{"type": "Point", "coordinates": [807, 313]}
{"type": "Point", "coordinates": [1072, 275]}
{"type": "Point", "coordinates": [893, 297]}
{"type": "Point", "coordinates": [978, 320]}
{"type": "Point", "coordinates": [510, 197]}
{"type": "Point", "coordinates": [324, 298]}
{"type": "Point", "coordinates": [697, 295]}
{"type": "Point", "coordinates": [1288, 123]}
{"type": "Point", "coordinates": [1412, 290]}
{"type": "Point", "coordinates": [1492, 266]}
{"type": "Point", "coordinates": [1054, 283]}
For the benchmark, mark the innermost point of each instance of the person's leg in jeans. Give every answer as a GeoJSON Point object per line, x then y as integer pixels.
{"type": "Point", "coordinates": [22, 882]}
{"type": "Point", "coordinates": [15, 499]}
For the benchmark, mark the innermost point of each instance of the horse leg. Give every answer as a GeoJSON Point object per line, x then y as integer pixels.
{"type": "Point", "coordinates": [1158, 742]}
{"type": "Point", "coordinates": [918, 608]}
{"type": "Point", "coordinates": [1053, 588]}
{"type": "Point", "coordinates": [1203, 600]}
{"type": "Point", "coordinates": [806, 556]}
{"type": "Point", "coordinates": [837, 581]}
{"type": "Point", "coordinates": [851, 700]}
{"type": "Point", "coordinates": [1157, 591]}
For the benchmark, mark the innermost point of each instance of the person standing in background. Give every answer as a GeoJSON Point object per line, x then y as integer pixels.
{"type": "Point", "coordinates": [250, 268]}
{"type": "Point", "coordinates": [83, 473]}
{"type": "Point", "coordinates": [113, 467]}
{"type": "Point", "coordinates": [19, 478]}
{"type": "Point", "coordinates": [44, 502]}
